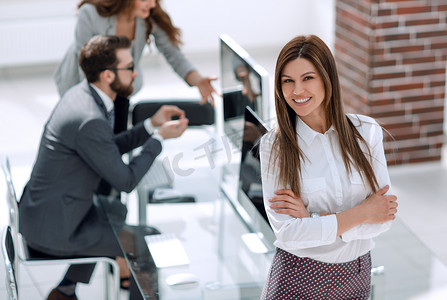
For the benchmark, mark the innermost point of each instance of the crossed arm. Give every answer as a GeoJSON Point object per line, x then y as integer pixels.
{"type": "Point", "coordinates": [377, 208]}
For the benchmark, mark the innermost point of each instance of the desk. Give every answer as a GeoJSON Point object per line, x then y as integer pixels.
{"type": "Point", "coordinates": [211, 235]}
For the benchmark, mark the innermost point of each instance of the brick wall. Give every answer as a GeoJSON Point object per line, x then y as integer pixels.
{"type": "Point", "coordinates": [391, 57]}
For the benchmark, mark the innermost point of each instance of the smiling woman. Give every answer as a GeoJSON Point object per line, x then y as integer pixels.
{"type": "Point", "coordinates": [303, 90]}
{"type": "Point", "coordinates": [325, 182]}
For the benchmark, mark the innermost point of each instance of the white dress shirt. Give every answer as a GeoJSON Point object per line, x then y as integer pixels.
{"type": "Point", "coordinates": [108, 102]}
{"type": "Point", "coordinates": [326, 187]}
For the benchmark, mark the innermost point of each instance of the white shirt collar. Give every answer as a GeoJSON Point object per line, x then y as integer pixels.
{"type": "Point", "coordinates": [307, 133]}
{"type": "Point", "coordinates": [108, 102]}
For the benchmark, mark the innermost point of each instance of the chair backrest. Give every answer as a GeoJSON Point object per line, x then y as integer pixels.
{"type": "Point", "coordinates": [10, 258]}
{"type": "Point", "coordinates": [197, 114]}
{"type": "Point", "coordinates": [11, 199]}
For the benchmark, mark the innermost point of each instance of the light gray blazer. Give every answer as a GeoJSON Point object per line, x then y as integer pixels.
{"type": "Point", "coordinates": [90, 23]}
{"type": "Point", "coordinates": [78, 148]}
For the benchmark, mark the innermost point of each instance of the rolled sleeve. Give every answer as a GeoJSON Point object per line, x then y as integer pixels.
{"type": "Point", "coordinates": [307, 233]}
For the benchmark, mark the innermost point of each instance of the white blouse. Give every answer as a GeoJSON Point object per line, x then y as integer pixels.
{"type": "Point", "coordinates": [326, 187]}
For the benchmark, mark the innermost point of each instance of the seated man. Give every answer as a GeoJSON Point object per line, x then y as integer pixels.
{"type": "Point", "coordinates": [58, 216]}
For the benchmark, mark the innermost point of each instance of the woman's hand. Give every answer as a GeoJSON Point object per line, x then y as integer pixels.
{"type": "Point", "coordinates": [204, 84]}
{"type": "Point", "coordinates": [285, 202]}
{"type": "Point", "coordinates": [207, 90]}
{"type": "Point", "coordinates": [380, 208]}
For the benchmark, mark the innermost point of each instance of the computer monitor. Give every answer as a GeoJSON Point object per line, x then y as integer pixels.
{"type": "Point", "coordinates": [244, 83]}
{"type": "Point", "coordinates": [250, 166]}
{"type": "Point", "coordinates": [247, 198]}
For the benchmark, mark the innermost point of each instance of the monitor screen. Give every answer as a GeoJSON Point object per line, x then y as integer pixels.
{"type": "Point", "coordinates": [244, 83]}
{"type": "Point", "coordinates": [247, 198]}
{"type": "Point", "coordinates": [250, 166]}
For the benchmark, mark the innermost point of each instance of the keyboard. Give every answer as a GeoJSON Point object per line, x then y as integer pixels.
{"type": "Point", "coordinates": [166, 250]}
{"type": "Point", "coordinates": [157, 177]}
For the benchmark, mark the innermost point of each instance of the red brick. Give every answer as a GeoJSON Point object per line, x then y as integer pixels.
{"type": "Point", "coordinates": [414, 148]}
{"type": "Point", "coordinates": [425, 158]}
{"type": "Point", "coordinates": [417, 48]}
{"type": "Point", "coordinates": [388, 75]}
{"type": "Point", "coordinates": [427, 109]}
{"type": "Point", "coordinates": [437, 83]}
{"type": "Point", "coordinates": [438, 45]}
{"type": "Point", "coordinates": [410, 86]}
{"type": "Point", "coordinates": [435, 133]}
{"type": "Point", "coordinates": [379, 89]}
{"type": "Point", "coordinates": [428, 72]}
{"type": "Point", "coordinates": [437, 33]}
{"type": "Point", "coordinates": [439, 119]}
{"type": "Point", "coordinates": [384, 101]}
{"type": "Point", "coordinates": [384, 12]}
{"type": "Point", "coordinates": [418, 98]}
{"type": "Point", "coordinates": [386, 25]}
{"type": "Point", "coordinates": [422, 22]}
{"type": "Point", "coordinates": [383, 63]}
{"type": "Point", "coordinates": [418, 60]}
{"type": "Point", "coordinates": [413, 10]}
{"type": "Point", "coordinates": [393, 37]}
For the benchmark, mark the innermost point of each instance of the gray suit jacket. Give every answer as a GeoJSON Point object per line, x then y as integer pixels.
{"type": "Point", "coordinates": [78, 148]}
{"type": "Point", "coordinates": [90, 23]}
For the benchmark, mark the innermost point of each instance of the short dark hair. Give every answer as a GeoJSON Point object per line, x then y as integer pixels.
{"type": "Point", "coordinates": [99, 54]}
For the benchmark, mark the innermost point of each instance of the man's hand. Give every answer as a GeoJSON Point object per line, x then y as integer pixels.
{"type": "Point", "coordinates": [173, 129]}
{"type": "Point", "coordinates": [285, 202]}
{"type": "Point", "coordinates": [165, 114]}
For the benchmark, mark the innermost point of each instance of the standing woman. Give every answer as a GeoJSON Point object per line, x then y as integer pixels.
{"type": "Point", "coordinates": [138, 20]}
{"type": "Point", "coordinates": [325, 182]}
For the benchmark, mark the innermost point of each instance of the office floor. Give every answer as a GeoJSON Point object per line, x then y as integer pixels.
{"type": "Point", "coordinates": [27, 96]}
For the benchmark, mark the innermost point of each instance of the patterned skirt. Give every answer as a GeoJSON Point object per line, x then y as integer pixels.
{"type": "Point", "coordinates": [292, 277]}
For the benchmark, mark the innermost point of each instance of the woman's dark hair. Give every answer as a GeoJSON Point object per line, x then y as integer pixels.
{"type": "Point", "coordinates": [99, 54]}
{"type": "Point", "coordinates": [108, 8]}
{"type": "Point", "coordinates": [286, 151]}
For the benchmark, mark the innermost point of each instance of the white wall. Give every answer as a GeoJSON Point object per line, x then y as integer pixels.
{"type": "Point", "coordinates": [38, 32]}
{"type": "Point", "coordinates": [252, 23]}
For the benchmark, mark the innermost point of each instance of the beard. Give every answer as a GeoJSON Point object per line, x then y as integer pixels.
{"type": "Point", "coordinates": [122, 90]}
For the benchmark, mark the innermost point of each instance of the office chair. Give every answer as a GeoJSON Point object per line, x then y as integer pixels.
{"type": "Point", "coordinates": [24, 257]}
{"type": "Point", "coordinates": [9, 257]}
{"type": "Point", "coordinates": [199, 116]}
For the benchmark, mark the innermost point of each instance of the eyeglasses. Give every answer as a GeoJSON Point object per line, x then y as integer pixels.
{"type": "Point", "coordinates": [131, 68]}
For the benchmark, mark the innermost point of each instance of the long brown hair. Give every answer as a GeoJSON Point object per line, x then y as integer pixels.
{"type": "Point", "coordinates": [108, 8]}
{"type": "Point", "coordinates": [286, 151]}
